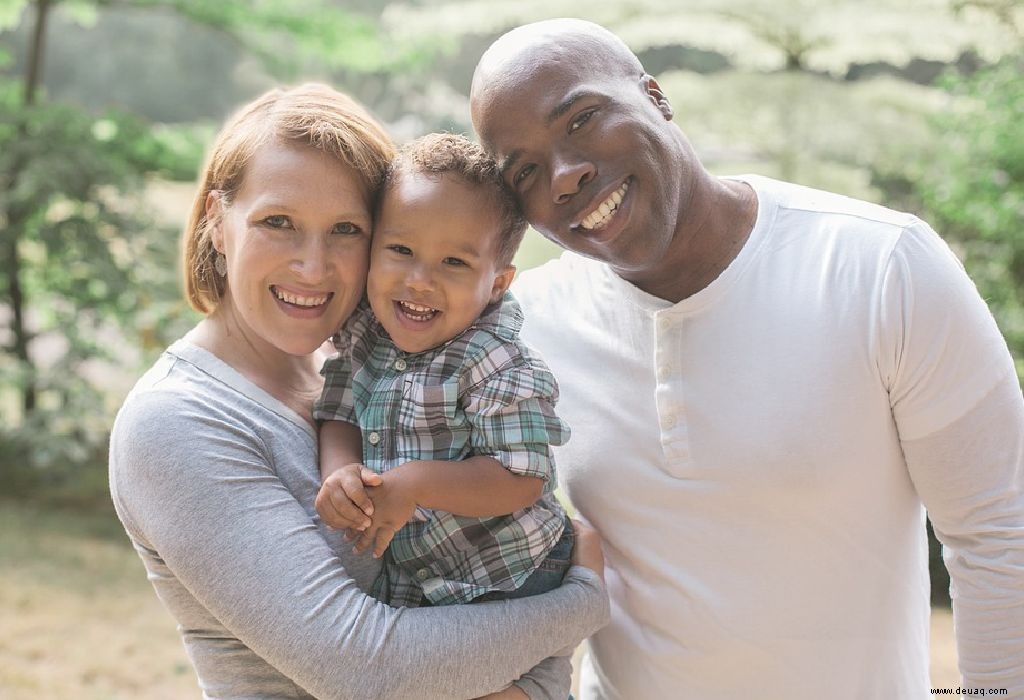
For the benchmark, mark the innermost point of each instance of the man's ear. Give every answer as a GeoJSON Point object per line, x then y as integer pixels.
{"type": "Point", "coordinates": [658, 97]}
{"type": "Point", "coordinates": [214, 212]}
{"type": "Point", "coordinates": [502, 281]}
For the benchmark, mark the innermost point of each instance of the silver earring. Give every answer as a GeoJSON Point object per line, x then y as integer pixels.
{"type": "Point", "coordinates": [220, 264]}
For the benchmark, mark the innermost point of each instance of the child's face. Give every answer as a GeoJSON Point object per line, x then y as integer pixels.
{"type": "Point", "coordinates": [432, 263]}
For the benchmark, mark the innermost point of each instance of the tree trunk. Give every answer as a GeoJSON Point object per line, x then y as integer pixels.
{"type": "Point", "coordinates": [18, 216]}
{"type": "Point", "coordinates": [33, 74]}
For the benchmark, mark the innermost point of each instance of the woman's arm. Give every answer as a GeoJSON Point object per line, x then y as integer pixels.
{"type": "Point", "coordinates": [230, 531]}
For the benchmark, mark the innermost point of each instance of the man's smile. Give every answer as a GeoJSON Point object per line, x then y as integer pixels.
{"type": "Point", "coordinates": [601, 214]}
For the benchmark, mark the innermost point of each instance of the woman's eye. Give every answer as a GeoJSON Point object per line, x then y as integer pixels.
{"type": "Point", "coordinates": [580, 120]}
{"type": "Point", "coordinates": [347, 228]}
{"type": "Point", "coordinates": [455, 262]}
{"type": "Point", "coordinates": [277, 221]}
{"type": "Point", "coordinates": [400, 249]}
{"type": "Point", "coordinates": [522, 174]}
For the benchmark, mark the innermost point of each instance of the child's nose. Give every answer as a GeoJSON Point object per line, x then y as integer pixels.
{"type": "Point", "coordinates": [419, 278]}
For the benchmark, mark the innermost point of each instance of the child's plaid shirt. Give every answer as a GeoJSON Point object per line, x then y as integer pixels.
{"type": "Point", "coordinates": [481, 393]}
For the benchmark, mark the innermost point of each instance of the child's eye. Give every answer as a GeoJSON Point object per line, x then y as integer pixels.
{"type": "Point", "coordinates": [455, 262]}
{"type": "Point", "coordinates": [522, 174]}
{"type": "Point", "coordinates": [580, 120]}
{"type": "Point", "coordinates": [400, 249]}
{"type": "Point", "coordinates": [347, 228]}
{"type": "Point", "coordinates": [277, 221]}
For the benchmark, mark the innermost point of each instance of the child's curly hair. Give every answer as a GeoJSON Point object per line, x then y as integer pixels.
{"type": "Point", "coordinates": [456, 154]}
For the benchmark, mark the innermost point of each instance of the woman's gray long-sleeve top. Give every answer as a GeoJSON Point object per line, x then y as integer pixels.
{"type": "Point", "coordinates": [214, 481]}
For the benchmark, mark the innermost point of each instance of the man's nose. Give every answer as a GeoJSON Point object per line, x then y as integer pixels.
{"type": "Point", "coordinates": [569, 173]}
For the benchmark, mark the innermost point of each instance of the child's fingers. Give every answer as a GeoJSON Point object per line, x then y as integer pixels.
{"type": "Point", "coordinates": [353, 516]}
{"type": "Point", "coordinates": [370, 478]}
{"type": "Point", "coordinates": [384, 537]}
{"type": "Point", "coordinates": [365, 540]}
{"type": "Point", "coordinates": [350, 480]}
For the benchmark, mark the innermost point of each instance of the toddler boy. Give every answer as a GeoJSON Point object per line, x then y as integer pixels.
{"type": "Point", "coordinates": [433, 390]}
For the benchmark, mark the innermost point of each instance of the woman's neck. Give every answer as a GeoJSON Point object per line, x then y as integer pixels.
{"type": "Point", "coordinates": [293, 380]}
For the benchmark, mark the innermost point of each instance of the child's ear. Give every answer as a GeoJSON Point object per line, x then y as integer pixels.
{"type": "Point", "coordinates": [501, 282]}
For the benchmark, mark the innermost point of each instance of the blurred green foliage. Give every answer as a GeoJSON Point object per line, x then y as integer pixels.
{"type": "Point", "coordinates": [90, 276]}
{"type": "Point", "coordinates": [90, 266]}
{"type": "Point", "coordinates": [837, 95]}
{"type": "Point", "coordinates": [972, 186]}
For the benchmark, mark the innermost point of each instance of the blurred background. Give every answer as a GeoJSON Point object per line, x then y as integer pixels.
{"type": "Point", "coordinates": [105, 111]}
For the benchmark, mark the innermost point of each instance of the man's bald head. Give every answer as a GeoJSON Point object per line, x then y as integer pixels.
{"type": "Point", "coordinates": [525, 48]}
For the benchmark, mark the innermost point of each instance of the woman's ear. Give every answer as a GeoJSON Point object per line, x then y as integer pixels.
{"type": "Point", "coordinates": [502, 281]}
{"type": "Point", "coordinates": [214, 213]}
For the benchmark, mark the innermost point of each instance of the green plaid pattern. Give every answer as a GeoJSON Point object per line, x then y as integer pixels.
{"type": "Point", "coordinates": [481, 393]}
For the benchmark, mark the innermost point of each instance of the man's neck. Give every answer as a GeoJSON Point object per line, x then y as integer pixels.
{"type": "Point", "coordinates": [721, 217]}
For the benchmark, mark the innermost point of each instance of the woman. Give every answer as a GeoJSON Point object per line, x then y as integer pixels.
{"type": "Point", "coordinates": [213, 467]}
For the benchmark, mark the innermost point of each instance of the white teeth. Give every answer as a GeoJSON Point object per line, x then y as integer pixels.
{"type": "Point", "coordinates": [417, 312]}
{"type": "Point", "coordinates": [600, 216]}
{"type": "Point", "coordinates": [297, 300]}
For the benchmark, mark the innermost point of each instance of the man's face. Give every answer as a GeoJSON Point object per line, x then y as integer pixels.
{"type": "Point", "coordinates": [592, 157]}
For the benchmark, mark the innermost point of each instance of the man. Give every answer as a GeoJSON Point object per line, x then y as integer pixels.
{"type": "Point", "coordinates": [765, 383]}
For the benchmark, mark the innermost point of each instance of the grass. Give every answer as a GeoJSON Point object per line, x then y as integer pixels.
{"type": "Point", "coordinates": [87, 625]}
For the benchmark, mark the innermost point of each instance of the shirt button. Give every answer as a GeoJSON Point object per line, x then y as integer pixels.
{"type": "Point", "coordinates": [668, 421]}
{"type": "Point", "coordinates": [400, 364]}
{"type": "Point", "coordinates": [373, 437]}
{"type": "Point", "coordinates": [423, 574]}
{"type": "Point", "coordinates": [663, 373]}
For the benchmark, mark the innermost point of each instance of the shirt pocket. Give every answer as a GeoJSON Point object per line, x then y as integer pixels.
{"type": "Point", "coordinates": [429, 422]}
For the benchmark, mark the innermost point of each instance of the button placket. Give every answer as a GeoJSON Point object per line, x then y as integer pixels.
{"type": "Point", "coordinates": [669, 397]}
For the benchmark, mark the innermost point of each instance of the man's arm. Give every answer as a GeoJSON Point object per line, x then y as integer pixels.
{"type": "Point", "coordinates": [960, 415]}
{"type": "Point", "coordinates": [970, 476]}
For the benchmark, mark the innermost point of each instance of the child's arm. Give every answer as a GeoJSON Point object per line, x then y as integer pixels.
{"type": "Point", "coordinates": [477, 487]}
{"type": "Point", "coordinates": [342, 501]}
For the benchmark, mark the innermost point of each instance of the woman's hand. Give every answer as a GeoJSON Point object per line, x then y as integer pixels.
{"type": "Point", "coordinates": [587, 550]}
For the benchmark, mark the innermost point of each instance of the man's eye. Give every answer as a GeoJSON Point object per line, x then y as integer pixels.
{"type": "Point", "coordinates": [277, 221]}
{"type": "Point", "coordinates": [580, 120]}
{"type": "Point", "coordinates": [347, 228]}
{"type": "Point", "coordinates": [456, 262]}
{"type": "Point", "coordinates": [522, 174]}
{"type": "Point", "coordinates": [400, 249]}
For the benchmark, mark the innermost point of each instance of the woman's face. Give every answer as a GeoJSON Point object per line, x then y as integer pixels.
{"type": "Point", "coordinates": [297, 240]}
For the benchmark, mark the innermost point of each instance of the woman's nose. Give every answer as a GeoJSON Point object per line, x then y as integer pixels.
{"type": "Point", "coordinates": [311, 260]}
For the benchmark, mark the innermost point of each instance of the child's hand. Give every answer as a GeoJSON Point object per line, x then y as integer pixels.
{"type": "Point", "coordinates": [394, 503]}
{"type": "Point", "coordinates": [343, 502]}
